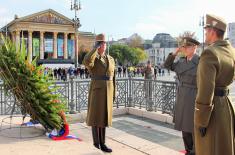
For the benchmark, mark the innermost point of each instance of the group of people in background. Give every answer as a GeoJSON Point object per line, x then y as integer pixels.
{"type": "Point", "coordinates": [138, 71]}
{"type": "Point", "coordinates": [66, 73]}
{"type": "Point", "coordinates": [82, 72]}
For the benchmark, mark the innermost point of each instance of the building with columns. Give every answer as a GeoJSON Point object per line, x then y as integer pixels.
{"type": "Point", "coordinates": [49, 36]}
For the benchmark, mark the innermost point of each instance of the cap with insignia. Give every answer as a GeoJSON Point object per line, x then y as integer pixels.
{"type": "Point", "coordinates": [215, 22]}
{"type": "Point", "coordinates": [187, 41]}
{"type": "Point", "coordinates": [100, 37]}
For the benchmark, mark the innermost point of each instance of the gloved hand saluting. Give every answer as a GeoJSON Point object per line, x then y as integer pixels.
{"type": "Point", "coordinates": [202, 131]}
{"type": "Point", "coordinates": [97, 45]}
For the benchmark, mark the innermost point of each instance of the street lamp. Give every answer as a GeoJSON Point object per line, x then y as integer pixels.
{"type": "Point", "coordinates": [109, 43]}
{"type": "Point", "coordinates": [76, 7]}
{"type": "Point", "coordinates": [202, 23]}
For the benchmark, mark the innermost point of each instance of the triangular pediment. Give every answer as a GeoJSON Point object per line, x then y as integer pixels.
{"type": "Point", "coordinates": [48, 16]}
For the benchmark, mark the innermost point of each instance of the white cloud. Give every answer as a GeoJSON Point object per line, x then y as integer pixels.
{"type": "Point", "coordinates": [182, 16]}
{"type": "Point", "coordinates": [172, 21]}
{"type": "Point", "coordinates": [3, 10]}
{"type": "Point", "coordinates": [148, 27]}
{"type": "Point", "coordinates": [4, 16]}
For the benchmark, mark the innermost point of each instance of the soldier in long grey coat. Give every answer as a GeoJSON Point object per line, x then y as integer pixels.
{"type": "Point", "coordinates": [214, 113]}
{"type": "Point", "coordinates": [101, 92]}
{"type": "Point", "coordinates": [185, 69]}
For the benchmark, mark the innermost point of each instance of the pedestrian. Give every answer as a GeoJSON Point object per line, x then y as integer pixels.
{"type": "Point", "coordinates": [148, 86]}
{"type": "Point", "coordinates": [214, 113]}
{"type": "Point", "coordinates": [185, 70]}
{"type": "Point", "coordinates": [101, 92]}
{"type": "Point", "coordinates": [124, 71]}
{"type": "Point", "coordinates": [119, 71]}
{"type": "Point", "coordinates": [155, 72]}
{"type": "Point", "coordinates": [148, 71]}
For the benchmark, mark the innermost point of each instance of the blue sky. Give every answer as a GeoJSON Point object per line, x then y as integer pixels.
{"type": "Point", "coordinates": [122, 18]}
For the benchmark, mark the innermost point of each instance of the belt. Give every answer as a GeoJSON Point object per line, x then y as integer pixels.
{"type": "Point", "coordinates": [106, 78]}
{"type": "Point", "coordinates": [221, 92]}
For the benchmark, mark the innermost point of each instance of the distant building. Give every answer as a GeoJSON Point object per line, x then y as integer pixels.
{"type": "Point", "coordinates": [134, 39]}
{"type": "Point", "coordinates": [165, 40]}
{"type": "Point", "coordinates": [49, 36]}
{"type": "Point", "coordinates": [122, 41]}
{"type": "Point", "coordinates": [231, 33]}
{"type": "Point", "coordinates": [162, 45]}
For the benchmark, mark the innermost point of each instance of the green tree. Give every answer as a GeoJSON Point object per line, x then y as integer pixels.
{"type": "Point", "coordinates": [139, 55]}
{"type": "Point", "coordinates": [124, 54]}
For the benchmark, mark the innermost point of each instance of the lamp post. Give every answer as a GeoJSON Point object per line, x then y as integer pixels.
{"type": "Point", "coordinates": [202, 23]}
{"type": "Point", "coordinates": [109, 43]}
{"type": "Point", "coordinates": [76, 7]}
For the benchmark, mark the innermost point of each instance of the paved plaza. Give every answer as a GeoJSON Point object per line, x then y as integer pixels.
{"type": "Point", "coordinates": [129, 135]}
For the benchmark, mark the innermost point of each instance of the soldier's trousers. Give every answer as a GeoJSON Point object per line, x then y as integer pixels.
{"type": "Point", "coordinates": [188, 139]}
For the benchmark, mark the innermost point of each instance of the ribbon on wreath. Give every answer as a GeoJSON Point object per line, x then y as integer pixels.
{"type": "Point", "coordinates": [63, 134]}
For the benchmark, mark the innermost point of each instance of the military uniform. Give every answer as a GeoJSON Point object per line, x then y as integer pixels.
{"type": "Point", "coordinates": [213, 109]}
{"type": "Point", "coordinates": [186, 94]}
{"type": "Point", "coordinates": [101, 93]}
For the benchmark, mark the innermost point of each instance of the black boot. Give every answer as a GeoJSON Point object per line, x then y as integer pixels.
{"type": "Point", "coordinates": [95, 136]}
{"type": "Point", "coordinates": [188, 143]}
{"type": "Point", "coordinates": [103, 147]}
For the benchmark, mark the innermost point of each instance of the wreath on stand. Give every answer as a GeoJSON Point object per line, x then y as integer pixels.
{"type": "Point", "coordinates": [34, 93]}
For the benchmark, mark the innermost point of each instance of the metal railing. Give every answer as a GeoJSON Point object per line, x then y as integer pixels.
{"type": "Point", "coordinates": [152, 95]}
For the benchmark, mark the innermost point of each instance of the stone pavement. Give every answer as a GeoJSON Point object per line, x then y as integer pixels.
{"type": "Point", "coordinates": [129, 135]}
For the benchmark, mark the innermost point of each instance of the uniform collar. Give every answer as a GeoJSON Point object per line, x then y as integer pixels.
{"type": "Point", "coordinates": [103, 56]}
{"type": "Point", "coordinates": [195, 59]}
{"type": "Point", "coordinates": [221, 43]}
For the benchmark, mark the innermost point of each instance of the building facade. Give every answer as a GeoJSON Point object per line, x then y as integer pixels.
{"type": "Point", "coordinates": [162, 45]}
{"type": "Point", "coordinates": [231, 33]}
{"type": "Point", "coordinates": [49, 36]}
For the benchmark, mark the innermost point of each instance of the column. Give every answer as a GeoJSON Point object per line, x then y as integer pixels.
{"type": "Point", "coordinates": [76, 48]}
{"type": "Point", "coordinates": [65, 46]}
{"type": "Point", "coordinates": [17, 41]}
{"type": "Point", "coordinates": [30, 47]}
{"type": "Point", "coordinates": [55, 45]}
{"type": "Point", "coordinates": [13, 37]}
{"type": "Point", "coordinates": [41, 45]}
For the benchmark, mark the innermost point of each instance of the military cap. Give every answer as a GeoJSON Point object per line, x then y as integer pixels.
{"type": "Point", "coordinates": [188, 41]}
{"type": "Point", "coordinates": [100, 37]}
{"type": "Point", "coordinates": [215, 22]}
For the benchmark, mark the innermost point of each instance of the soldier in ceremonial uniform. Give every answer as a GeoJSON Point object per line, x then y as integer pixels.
{"type": "Point", "coordinates": [214, 113]}
{"type": "Point", "coordinates": [101, 92]}
{"type": "Point", "coordinates": [185, 69]}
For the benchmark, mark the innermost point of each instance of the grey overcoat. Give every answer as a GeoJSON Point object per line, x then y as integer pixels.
{"type": "Point", "coordinates": [186, 91]}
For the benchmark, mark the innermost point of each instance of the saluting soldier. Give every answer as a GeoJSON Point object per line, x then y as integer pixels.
{"type": "Point", "coordinates": [214, 113]}
{"type": "Point", "coordinates": [185, 69]}
{"type": "Point", "coordinates": [101, 92]}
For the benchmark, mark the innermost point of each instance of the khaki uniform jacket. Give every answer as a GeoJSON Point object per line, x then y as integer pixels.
{"type": "Point", "coordinates": [101, 92]}
{"type": "Point", "coordinates": [216, 70]}
{"type": "Point", "coordinates": [186, 91]}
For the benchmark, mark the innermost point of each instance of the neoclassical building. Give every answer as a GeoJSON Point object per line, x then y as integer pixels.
{"type": "Point", "coordinates": [48, 35]}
